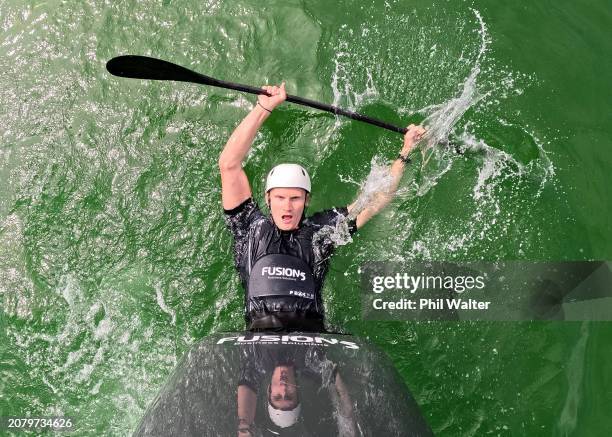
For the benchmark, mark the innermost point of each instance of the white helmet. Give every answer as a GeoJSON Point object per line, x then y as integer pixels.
{"type": "Point", "coordinates": [284, 418]}
{"type": "Point", "coordinates": [288, 176]}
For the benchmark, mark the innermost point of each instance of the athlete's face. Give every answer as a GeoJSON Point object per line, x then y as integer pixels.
{"type": "Point", "coordinates": [283, 389]}
{"type": "Point", "coordinates": [286, 206]}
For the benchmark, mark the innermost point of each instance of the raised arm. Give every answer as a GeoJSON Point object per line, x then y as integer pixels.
{"type": "Point", "coordinates": [247, 403]}
{"type": "Point", "coordinates": [344, 404]}
{"type": "Point", "coordinates": [235, 187]}
{"type": "Point", "coordinates": [396, 171]}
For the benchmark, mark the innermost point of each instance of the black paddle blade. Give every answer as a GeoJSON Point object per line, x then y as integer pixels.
{"type": "Point", "coordinates": [144, 67]}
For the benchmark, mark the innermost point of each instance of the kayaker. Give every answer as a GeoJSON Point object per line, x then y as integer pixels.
{"type": "Point", "coordinates": [282, 259]}
{"type": "Point", "coordinates": [302, 391]}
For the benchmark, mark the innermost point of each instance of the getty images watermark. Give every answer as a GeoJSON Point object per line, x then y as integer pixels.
{"type": "Point", "coordinates": [508, 290]}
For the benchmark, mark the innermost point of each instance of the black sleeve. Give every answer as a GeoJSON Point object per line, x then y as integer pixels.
{"type": "Point", "coordinates": [249, 378]}
{"type": "Point", "coordinates": [239, 219]}
{"type": "Point", "coordinates": [251, 372]}
{"type": "Point", "coordinates": [317, 366]}
{"type": "Point", "coordinates": [331, 217]}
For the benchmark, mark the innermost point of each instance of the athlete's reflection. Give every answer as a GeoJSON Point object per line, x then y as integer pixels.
{"type": "Point", "coordinates": [300, 392]}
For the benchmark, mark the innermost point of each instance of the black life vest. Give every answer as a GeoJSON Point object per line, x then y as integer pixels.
{"type": "Point", "coordinates": [281, 294]}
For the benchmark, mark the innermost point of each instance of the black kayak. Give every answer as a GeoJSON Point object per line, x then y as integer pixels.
{"type": "Point", "coordinates": [333, 385]}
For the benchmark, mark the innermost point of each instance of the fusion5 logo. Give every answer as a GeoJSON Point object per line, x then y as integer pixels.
{"type": "Point", "coordinates": [288, 339]}
{"type": "Point", "coordinates": [283, 271]}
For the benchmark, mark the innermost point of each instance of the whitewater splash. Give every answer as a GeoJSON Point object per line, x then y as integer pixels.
{"type": "Point", "coordinates": [442, 145]}
{"type": "Point", "coordinates": [442, 118]}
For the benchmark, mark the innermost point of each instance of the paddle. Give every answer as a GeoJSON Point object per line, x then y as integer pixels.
{"type": "Point", "coordinates": [144, 67]}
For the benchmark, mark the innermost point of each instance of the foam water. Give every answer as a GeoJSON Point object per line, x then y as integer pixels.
{"type": "Point", "coordinates": [448, 138]}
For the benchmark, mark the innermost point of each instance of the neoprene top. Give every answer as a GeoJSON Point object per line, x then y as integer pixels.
{"type": "Point", "coordinates": [256, 235]}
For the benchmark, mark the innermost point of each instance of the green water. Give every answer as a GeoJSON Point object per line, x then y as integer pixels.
{"type": "Point", "coordinates": [114, 257]}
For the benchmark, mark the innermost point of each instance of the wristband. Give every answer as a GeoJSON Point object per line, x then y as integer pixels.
{"type": "Point", "coordinates": [265, 109]}
{"type": "Point", "coordinates": [404, 159]}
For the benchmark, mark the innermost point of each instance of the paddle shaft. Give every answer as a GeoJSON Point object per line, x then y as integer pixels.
{"type": "Point", "coordinates": [314, 104]}
{"type": "Point", "coordinates": [144, 67]}
{"type": "Point", "coordinates": [317, 105]}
